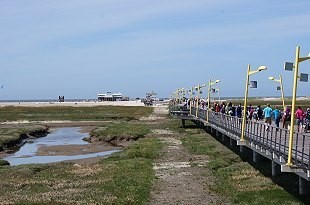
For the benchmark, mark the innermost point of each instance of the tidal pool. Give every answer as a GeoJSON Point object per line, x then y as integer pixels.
{"type": "Point", "coordinates": [27, 154]}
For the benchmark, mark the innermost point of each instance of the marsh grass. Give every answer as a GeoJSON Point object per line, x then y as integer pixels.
{"type": "Point", "coordinates": [96, 113]}
{"type": "Point", "coordinates": [236, 179]}
{"type": "Point", "coordinates": [173, 125]}
{"type": "Point", "coordinates": [120, 131]}
{"type": "Point", "coordinates": [13, 134]}
{"type": "Point", "coordinates": [124, 178]}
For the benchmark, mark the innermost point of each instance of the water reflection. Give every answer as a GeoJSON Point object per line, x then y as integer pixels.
{"type": "Point", "coordinates": [60, 136]}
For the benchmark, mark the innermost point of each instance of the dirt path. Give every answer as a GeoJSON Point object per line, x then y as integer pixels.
{"type": "Point", "coordinates": [182, 177]}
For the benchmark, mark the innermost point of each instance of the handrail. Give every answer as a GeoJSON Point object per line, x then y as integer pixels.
{"type": "Point", "coordinates": [275, 140]}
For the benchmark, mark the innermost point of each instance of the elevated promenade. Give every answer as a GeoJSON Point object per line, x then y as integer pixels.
{"type": "Point", "coordinates": [271, 144]}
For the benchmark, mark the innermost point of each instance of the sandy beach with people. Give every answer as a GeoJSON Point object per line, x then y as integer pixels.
{"type": "Point", "coordinates": [73, 104]}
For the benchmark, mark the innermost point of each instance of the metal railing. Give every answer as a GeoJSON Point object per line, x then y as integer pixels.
{"type": "Point", "coordinates": [268, 138]}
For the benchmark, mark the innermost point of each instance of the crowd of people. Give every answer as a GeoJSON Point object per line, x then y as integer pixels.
{"type": "Point", "coordinates": [267, 114]}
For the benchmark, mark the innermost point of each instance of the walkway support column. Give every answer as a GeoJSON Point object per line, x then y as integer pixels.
{"type": "Point", "coordinates": [303, 186]}
{"type": "Point", "coordinates": [255, 156]}
{"type": "Point", "coordinates": [183, 123]}
{"type": "Point", "coordinates": [231, 142]}
{"type": "Point", "coordinates": [275, 169]}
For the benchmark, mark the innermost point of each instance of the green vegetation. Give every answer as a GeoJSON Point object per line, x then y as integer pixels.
{"type": "Point", "coordinates": [120, 131]}
{"type": "Point", "coordinates": [124, 178]}
{"type": "Point", "coordinates": [10, 135]}
{"type": "Point", "coordinates": [234, 178]}
{"type": "Point", "coordinates": [4, 162]}
{"type": "Point", "coordinates": [96, 113]}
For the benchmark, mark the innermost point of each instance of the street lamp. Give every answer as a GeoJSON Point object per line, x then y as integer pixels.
{"type": "Point", "coordinates": [249, 72]}
{"type": "Point", "coordinates": [198, 90]}
{"type": "Point", "coordinates": [281, 88]}
{"type": "Point", "coordinates": [209, 90]}
{"type": "Point", "coordinates": [290, 66]}
{"type": "Point", "coordinates": [190, 99]}
{"type": "Point", "coordinates": [183, 93]}
{"type": "Point", "coordinates": [218, 92]}
{"type": "Point", "coordinates": [177, 93]}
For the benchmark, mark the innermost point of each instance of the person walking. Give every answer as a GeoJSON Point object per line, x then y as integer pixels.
{"type": "Point", "coordinates": [277, 116]}
{"type": "Point", "coordinates": [267, 112]}
{"type": "Point", "coordinates": [259, 112]}
{"type": "Point", "coordinates": [307, 120]}
{"type": "Point", "coordinates": [286, 119]}
{"type": "Point", "coordinates": [299, 118]}
{"type": "Point", "coordinates": [239, 111]}
{"type": "Point", "coordinates": [251, 112]}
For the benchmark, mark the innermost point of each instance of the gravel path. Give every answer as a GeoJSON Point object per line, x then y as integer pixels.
{"type": "Point", "coordinates": [182, 177]}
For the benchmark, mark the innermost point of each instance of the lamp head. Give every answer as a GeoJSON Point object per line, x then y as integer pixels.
{"type": "Point", "coordinates": [260, 68]}
{"type": "Point", "coordinates": [217, 81]}
{"type": "Point", "coordinates": [271, 78]}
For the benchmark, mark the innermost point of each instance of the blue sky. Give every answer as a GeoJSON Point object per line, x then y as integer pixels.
{"type": "Point", "coordinates": [79, 48]}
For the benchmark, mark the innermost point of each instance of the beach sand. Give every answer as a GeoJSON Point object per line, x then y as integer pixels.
{"type": "Point", "coordinates": [73, 104]}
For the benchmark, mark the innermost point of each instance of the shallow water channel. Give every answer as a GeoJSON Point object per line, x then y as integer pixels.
{"type": "Point", "coordinates": [27, 154]}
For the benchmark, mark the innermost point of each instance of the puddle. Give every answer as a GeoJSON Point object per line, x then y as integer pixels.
{"type": "Point", "coordinates": [27, 154]}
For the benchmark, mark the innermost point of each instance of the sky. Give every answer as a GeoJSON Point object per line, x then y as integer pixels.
{"type": "Point", "coordinates": [79, 48]}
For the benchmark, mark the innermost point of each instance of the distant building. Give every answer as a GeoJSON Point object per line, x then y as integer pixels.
{"type": "Point", "coordinates": [61, 98]}
{"type": "Point", "coordinates": [150, 98]}
{"type": "Point", "coordinates": [152, 95]}
{"type": "Point", "coordinates": [109, 96]}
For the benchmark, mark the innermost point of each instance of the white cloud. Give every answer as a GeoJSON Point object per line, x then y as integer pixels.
{"type": "Point", "coordinates": [31, 24]}
{"type": "Point", "coordinates": [95, 39]}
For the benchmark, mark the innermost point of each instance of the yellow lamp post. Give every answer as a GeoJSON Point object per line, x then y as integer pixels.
{"type": "Point", "coordinates": [249, 72]}
{"type": "Point", "coordinates": [182, 94]}
{"type": "Point", "coordinates": [298, 60]}
{"type": "Point", "coordinates": [281, 88]}
{"type": "Point", "coordinates": [190, 100]}
{"type": "Point", "coordinates": [198, 90]}
{"type": "Point", "coordinates": [177, 92]}
{"type": "Point", "coordinates": [209, 90]}
{"type": "Point", "coordinates": [218, 94]}
{"type": "Point", "coordinates": [172, 96]}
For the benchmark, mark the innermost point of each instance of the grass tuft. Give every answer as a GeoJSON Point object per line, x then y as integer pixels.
{"type": "Point", "coordinates": [236, 179]}
{"type": "Point", "coordinates": [120, 131]}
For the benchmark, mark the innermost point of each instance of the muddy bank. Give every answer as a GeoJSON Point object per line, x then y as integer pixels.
{"type": "Point", "coordinates": [61, 144]}
{"type": "Point", "coordinates": [69, 150]}
{"type": "Point", "coordinates": [17, 136]}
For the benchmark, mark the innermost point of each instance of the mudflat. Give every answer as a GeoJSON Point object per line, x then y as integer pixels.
{"type": "Point", "coordinates": [70, 150]}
